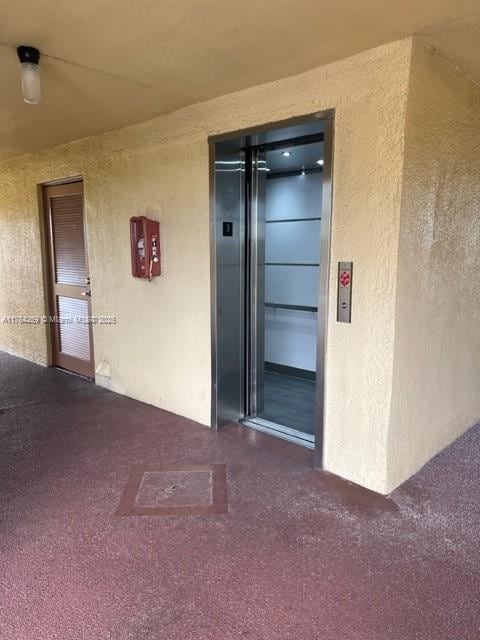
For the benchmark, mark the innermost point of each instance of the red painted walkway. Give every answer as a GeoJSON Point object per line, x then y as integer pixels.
{"type": "Point", "coordinates": [287, 554]}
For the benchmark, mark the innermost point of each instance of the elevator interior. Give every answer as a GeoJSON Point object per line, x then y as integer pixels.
{"type": "Point", "coordinates": [270, 240]}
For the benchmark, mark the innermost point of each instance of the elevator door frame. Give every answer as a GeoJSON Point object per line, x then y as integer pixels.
{"type": "Point", "coordinates": [254, 286]}
{"type": "Point", "coordinates": [221, 414]}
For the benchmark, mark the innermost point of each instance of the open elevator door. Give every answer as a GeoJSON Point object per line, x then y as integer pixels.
{"type": "Point", "coordinates": [248, 238]}
{"type": "Point", "coordinates": [227, 193]}
{"type": "Point", "coordinates": [254, 291]}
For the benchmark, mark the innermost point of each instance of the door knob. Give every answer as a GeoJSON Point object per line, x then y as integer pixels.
{"type": "Point", "coordinates": [88, 292]}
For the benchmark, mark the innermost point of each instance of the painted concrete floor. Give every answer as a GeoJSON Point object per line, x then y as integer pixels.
{"type": "Point", "coordinates": [296, 554]}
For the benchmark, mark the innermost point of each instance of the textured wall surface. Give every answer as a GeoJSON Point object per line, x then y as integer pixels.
{"type": "Point", "coordinates": [436, 390]}
{"type": "Point", "coordinates": [159, 350]}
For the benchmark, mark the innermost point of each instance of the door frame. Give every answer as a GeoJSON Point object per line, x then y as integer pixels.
{"type": "Point", "coordinates": [49, 267]}
{"type": "Point", "coordinates": [254, 285]}
{"type": "Point", "coordinates": [326, 208]}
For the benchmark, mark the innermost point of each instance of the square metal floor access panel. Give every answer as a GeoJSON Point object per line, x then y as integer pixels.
{"type": "Point", "coordinates": [175, 490]}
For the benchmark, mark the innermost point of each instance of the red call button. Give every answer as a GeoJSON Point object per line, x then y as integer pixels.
{"type": "Point", "coordinates": [344, 278]}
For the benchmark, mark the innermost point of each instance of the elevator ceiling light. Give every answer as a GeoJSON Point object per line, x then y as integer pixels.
{"type": "Point", "coordinates": [29, 58]}
{"type": "Point", "coordinates": [320, 162]}
{"type": "Point", "coordinates": [286, 154]}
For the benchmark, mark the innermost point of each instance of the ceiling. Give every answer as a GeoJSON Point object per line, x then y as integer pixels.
{"type": "Point", "coordinates": [305, 156]}
{"type": "Point", "coordinates": [111, 63]}
{"type": "Point", "coordinates": [460, 42]}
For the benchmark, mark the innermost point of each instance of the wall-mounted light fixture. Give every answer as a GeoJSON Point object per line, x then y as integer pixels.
{"type": "Point", "coordinates": [29, 60]}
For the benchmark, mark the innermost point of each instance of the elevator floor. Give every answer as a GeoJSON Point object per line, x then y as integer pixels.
{"type": "Point", "coordinates": [289, 401]}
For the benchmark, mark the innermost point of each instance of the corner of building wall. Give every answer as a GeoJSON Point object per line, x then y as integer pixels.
{"type": "Point", "coordinates": [392, 480]}
{"type": "Point", "coordinates": [386, 486]}
{"type": "Point", "coordinates": [370, 470]}
{"type": "Point", "coordinates": [398, 469]}
{"type": "Point", "coordinates": [40, 359]}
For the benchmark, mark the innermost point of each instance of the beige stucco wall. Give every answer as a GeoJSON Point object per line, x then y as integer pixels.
{"type": "Point", "coordinates": [436, 388]}
{"type": "Point", "coordinates": [159, 350]}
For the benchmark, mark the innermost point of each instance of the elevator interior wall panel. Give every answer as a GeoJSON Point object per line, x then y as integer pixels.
{"type": "Point", "coordinates": [294, 196]}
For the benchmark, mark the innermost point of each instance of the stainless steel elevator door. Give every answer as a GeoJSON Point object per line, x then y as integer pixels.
{"type": "Point", "coordinates": [228, 269]}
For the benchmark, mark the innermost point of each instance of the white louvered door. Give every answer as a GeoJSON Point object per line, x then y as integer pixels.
{"type": "Point", "coordinates": [70, 301]}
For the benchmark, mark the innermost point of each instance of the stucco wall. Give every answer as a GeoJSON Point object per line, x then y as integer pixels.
{"type": "Point", "coordinates": [436, 389]}
{"type": "Point", "coordinates": [159, 351]}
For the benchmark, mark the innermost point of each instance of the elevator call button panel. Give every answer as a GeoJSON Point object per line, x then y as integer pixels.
{"type": "Point", "coordinates": [344, 295]}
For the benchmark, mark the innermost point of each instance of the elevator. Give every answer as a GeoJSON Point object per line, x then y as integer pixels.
{"type": "Point", "coordinates": [270, 233]}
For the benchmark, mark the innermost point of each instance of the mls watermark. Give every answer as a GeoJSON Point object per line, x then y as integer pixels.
{"type": "Point", "coordinates": [29, 320]}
